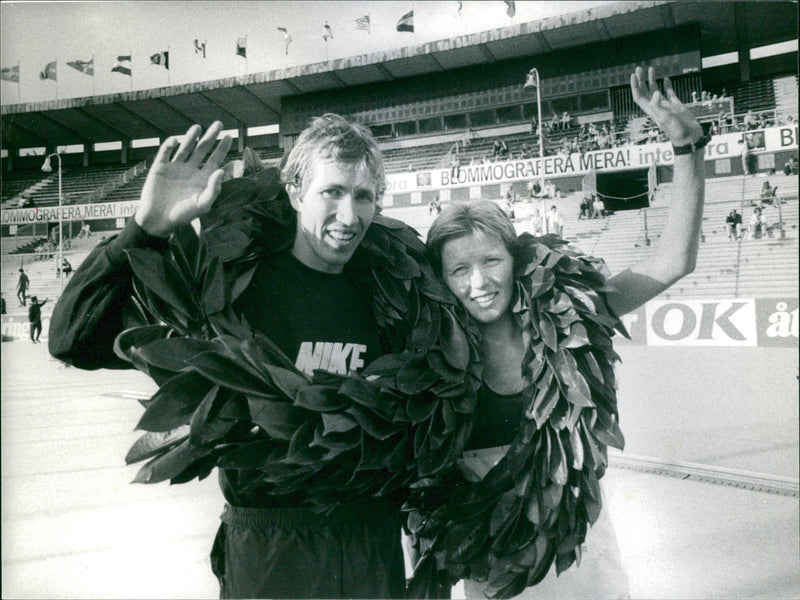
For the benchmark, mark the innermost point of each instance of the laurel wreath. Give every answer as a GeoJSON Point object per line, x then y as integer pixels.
{"type": "Point", "coordinates": [229, 398]}
{"type": "Point", "coordinates": [535, 506]}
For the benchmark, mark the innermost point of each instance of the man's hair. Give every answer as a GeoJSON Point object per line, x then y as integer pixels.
{"type": "Point", "coordinates": [461, 220]}
{"type": "Point", "coordinates": [333, 137]}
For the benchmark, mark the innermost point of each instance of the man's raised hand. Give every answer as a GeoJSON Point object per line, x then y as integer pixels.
{"type": "Point", "coordinates": [179, 186]}
{"type": "Point", "coordinates": [671, 116]}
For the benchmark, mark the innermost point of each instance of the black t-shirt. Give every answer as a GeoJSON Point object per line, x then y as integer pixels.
{"type": "Point", "coordinates": [320, 321]}
{"type": "Point", "coordinates": [497, 418]}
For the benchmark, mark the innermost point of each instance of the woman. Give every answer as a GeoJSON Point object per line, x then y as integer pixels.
{"type": "Point", "coordinates": [476, 249]}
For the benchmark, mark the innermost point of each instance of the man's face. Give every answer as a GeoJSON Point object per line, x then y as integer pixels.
{"type": "Point", "coordinates": [335, 205]}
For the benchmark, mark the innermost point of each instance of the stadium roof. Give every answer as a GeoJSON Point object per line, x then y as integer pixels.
{"type": "Point", "coordinates": [255, 99]}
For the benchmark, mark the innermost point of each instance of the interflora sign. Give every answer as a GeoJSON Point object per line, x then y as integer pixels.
{"type": "Point", "coordinates": [776, 139]}
{"type": "Point", "coordinates": [762, 322]}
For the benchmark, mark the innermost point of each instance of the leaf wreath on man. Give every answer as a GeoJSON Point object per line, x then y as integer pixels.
{"type": "Point", "coordinates": [229, 398]}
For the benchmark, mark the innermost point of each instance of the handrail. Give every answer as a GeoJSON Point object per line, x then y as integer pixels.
{"type": "Point", "coordinates": [116, 183]}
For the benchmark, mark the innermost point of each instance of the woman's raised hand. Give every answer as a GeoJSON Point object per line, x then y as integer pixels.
{"type": "Point", "coordinates": [180, 186]}
{"type": "Point", "coordinates": [671, 116]}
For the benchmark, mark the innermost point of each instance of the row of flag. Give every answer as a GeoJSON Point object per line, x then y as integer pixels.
{"type": "Point", "coordinates": [161, 59]}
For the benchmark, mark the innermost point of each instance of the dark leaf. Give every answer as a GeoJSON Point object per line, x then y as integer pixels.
{"type": "Point", "coordinates": [372, 423]}
{"type": "Point", "coordinates": [136, 337]}
{"type": "Point", "coordinates": [206, 425]}
{"type": "Point", "coordinates": [337, 423]}
{"type": "Point", "coordinates": [454, 344]}
{"type": "Point", "coordinates": [163, 279]}
{"type": "Point", "coordinates": [320, 398]}
{"type": "Point", "coordinates": [170, 464]}
{"type": "Point", "coordinates": [541, 281]}
{"type": "Point", "coordinates": [226, 371]}
{"type": "Point", "coordinates": [415, 377]}
{"type": "Point", "coordinates": [155, 442]}
{"type": "Point", "coordinates": [173, 404]}
{"type": "Point", "coordinates": [174, 353]}
{"type": "Point", "coordinates": [362, 391]}
{"type": "Point", "coordinates": [279, 419]}
{"type": "Point", "coordinates": [225, 242]}
{"type": "Point", "coordinates": [252, 455]}
{"type": "Point", "coordinates": [213, 294]}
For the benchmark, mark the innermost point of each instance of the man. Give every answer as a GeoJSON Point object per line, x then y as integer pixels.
{"type": "Point", "coordinates": [35, 318]}
{"type": "Point", "coordinates": [22, 286]}
{"type": "Point", "coordinates": [745, 150]}
{"type": "Point", "coordinates": [334, 176]}
{"type": "Point", "coordinates": [555, 224]}
{"type": "Point", "coordinates": [734, 224]}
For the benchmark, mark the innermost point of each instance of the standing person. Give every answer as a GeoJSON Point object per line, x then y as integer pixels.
{"type": "Point", "coordinates": [22, 286]}
{"type": "Point", "coordinates": [35, 318]}
{"type": "Point", "coordinates": [745, 150]}
{"type": "Point", "coordinates": [517, 304]}
{"type": "Point", "coordinates": [305, 295]}
{"type": "Point", "coordinates": [2, 305]}
{"type": "Point", "coordinates": [555, 224]}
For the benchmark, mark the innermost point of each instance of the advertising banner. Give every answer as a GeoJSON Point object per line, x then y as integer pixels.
{"type": "Point", "coordinates": [762, 322]}
{"type": "Point", "coordinates": [71, 212]}
{"type": "Point", "coordinates": [616, 159]}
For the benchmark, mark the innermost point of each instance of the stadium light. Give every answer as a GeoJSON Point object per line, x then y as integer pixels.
{"type": "Point", "coordinates": [531, 83]}
{"type": "Point", "coordinates": [48, 168]}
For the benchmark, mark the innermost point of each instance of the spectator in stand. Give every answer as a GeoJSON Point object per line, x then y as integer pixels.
{"type": "Point", "coordinates": [554, 123]}
{"type": "Point", "coordinates": [2, 305]}
{"type": "Point", "coordinates": [534, 126]}
{"type": "Point", "coordinates": [750, 120]}
{"type": "Point", "coordinates": [565, 121]}
{"type": "Point", "coordinates": [768, 192]}
{"type": "Point", "coordinates": [758, 224]}
{"type": "Point", "coordinates": [733, 222]}
{"type": "Point", "coordinates": [66, 267]}
{"type": "Point", "coordinates": [455, 164]}
{"type": "Point", "coordinates": [714, 129]}
{"type": "Point", "coordinates": [598, 208]}
{"type": "Point", "coordinates": [537, 223]}
{"type": "Point", "coordinates": [790, 167]}
{"type": "Point", "coordinates": [585, 211]}
{"type": "Point", "coordinates": [22, 286]}
{"type": "Point", "coordinates": [555, 224]}
{"type": "Point", "coordinates": [694, 97]}
{"type": "Point", "coordinates": [536, 189]}
{"type": "Point", "coordinates": [35, 318]}
{"type": "Point", "coordinates": [26, 201]}
{"type": "Point", "coordinates": [510, 205]}
{"type": "Point", "coordinates": [745, 150]}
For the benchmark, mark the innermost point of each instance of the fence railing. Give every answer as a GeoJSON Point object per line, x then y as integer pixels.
{"type": "Point", "coordinates": [116, 183]}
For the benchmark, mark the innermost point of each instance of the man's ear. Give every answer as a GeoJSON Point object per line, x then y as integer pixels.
{"type": "Point", "coordinates": [295, 197]}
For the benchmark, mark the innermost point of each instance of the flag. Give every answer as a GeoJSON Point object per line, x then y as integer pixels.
{"type": "Point", "coordinates": [123, 65]}
{"type": "Point", "coordinates": [241, 47]}
{"type": "Point", "coordinates": [84, 66]}
{"type": "Point", "coordinates": [287, 39]}
{"type": "Point", "coordinates": [406, 22]}
{"type": "Point", "coordinates": [328, 33]}
{"type": "Point", "coordinates": [362, 23]}
{"type": "Point", "coordinates": [49, 72]}
{"type": "Point", "coordinates": [10, 74]}
{"type": "Point", "coordinates": [512, 8]}
{"type": "Point", "coordinates": [161, 59]}
{"type": "Point", "coordinates": [199, 48]}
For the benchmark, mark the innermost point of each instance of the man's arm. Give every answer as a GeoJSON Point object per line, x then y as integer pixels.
{"type": "Point", "coordinates": [97, 302]}
{"type": "Point", "coordinates": [676, 254]}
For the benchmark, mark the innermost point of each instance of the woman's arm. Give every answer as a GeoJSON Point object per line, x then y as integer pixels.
{"type": "Point", "coordinates": [676, 254]}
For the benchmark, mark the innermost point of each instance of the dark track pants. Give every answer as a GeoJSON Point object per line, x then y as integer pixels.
{"type": "Point", "coordinates": [355, 552]}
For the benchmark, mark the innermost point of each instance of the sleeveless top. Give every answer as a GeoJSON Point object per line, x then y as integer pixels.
{"type": "Point", "coordinates": [497, 418]}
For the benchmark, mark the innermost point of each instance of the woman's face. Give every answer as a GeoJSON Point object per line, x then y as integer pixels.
{"type": "Point", "coordinates": [479, 270]}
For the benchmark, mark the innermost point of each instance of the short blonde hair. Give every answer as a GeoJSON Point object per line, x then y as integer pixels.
{"type": "Point", "coordinates": [463, 219]}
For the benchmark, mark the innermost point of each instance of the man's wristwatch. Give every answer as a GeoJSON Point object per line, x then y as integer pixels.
{"type": "Point", "coordinates": [690, 148]}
